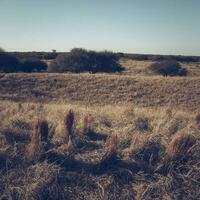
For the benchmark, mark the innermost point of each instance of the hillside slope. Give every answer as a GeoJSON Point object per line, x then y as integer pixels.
{"type": "Point", "coordinates": [101, 89]}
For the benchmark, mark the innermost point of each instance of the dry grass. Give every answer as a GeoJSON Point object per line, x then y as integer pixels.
{"type": "Point", "coordinates": [39, 138]}
{"type": "Point", "coordinates": [198, 119]}
{"type": "Point", "coordinates": [136, 68]}
{"type": "Point", "coordinates": [111, 146]}
{"type": "Point", "coordinates": [87, 124]}
{"type": "Point", "coordinates": [180, 145]}
{"type": "Point", "coordinates": [102, 89]}
{"type": "Point", "coordinates": [125, 136]}
{"type": "Point", "coordinates": [113, 160]}
{"type": "Point", "coordinates": [146, 151]}
{"type": "Point", "coordinates": [140, 68]}
{"type": "Point", "coordinates": [42, 130]}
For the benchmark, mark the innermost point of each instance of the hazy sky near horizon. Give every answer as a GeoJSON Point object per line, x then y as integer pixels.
{"type": "Point", "coordinates": [135, 26]}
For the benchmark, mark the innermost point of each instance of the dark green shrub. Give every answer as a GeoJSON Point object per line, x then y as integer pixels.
{"type": "Point", "coordinates": [168, 68]}
{"type": "Point", "coordinates": [75, 61]}
{"type": "Point", "coordinates": [49, 56]}
{"type": "Point", "coordinates": [81, 60]}
{"type": "Point", "coordinates": [159, 58]}
{"type": "Point", "coordinates": [32, 66]}
{"type": "Point", "coordinates": [8, 63]}
{"type": "Point", "coordinates": [104, 62]}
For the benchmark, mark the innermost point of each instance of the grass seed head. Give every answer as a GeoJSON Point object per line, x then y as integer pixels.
{"type": "Point", "coordinates": [112, 143]}
{"type": "Point", "coordinates": [87, 122]}
{"type": "Point", "coordinates": [42, 130]}
{"type": "Point", "coordinates": [69, 122]}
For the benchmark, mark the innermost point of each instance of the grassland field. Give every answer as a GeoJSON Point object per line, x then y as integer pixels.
{"type": "Point", "coordinates": [131, 135]}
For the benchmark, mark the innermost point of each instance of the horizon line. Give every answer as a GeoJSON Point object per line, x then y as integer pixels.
{"type": "Point", "coordinates": [45, 51]}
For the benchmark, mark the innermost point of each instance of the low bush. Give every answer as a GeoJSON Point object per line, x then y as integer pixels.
{"type": "Point", "coordinates": [168, 68]}
{"type": "Point", "coordinates": [81, 60]}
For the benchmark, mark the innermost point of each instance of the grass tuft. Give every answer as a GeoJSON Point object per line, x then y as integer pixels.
{"type": "Point", "coordinates": [38, 139]}
{"type": "Point", "coordinates": [146, 151]}
{"type": "Point", "coordinates": [110, 155]}
{"type": "Point", "coordinates": [87, 123]}
{"type": "Point", "coordinates": [181, 145]}
{"type": "Point", "coordinates": [42, 129]}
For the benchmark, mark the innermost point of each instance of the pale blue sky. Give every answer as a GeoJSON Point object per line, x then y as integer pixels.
{"type": "Point", "coordinates": [135, 26]}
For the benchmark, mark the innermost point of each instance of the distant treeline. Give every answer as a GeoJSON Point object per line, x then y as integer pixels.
{"type": "Point", "coordinates": [151, 57]}
{"type": "Point", "coordinates": [82, 60]}
{"type": "Point", "coordinates": [34, 55]}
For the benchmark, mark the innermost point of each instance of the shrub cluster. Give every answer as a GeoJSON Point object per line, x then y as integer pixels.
{"type": "Point", "coordinates": [81, 60]}
{"type": "Point", "coordinates": [168, 68]}
{"type": "Point", "coordinates": [9, 64]}
{"type": "Point", "coordinates": [32, 66]}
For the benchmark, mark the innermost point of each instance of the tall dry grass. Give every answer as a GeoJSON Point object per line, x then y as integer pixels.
{"type": "Point", "coordinates": [39, 137]}
{"type": "Point", "coordinates": [125, 165]}
{"type": "Point", "coordinates": [180, 145]}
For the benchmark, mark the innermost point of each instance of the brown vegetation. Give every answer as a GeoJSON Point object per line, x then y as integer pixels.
{"type": "Point", "coordinates": [97, 164]}
{"type": "Point", "coordinates": [101, 89]}
{"type": "Point", "coordinates": [69, 122]}
{"type": "Point", "coordinates": [180, 145]}
{"type": "Point", "coordinates": [122, 137]}
{"type": "Point", "coordinates": [39, 137]}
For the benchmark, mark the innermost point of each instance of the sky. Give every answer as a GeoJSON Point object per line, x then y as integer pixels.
{"type": "Point", "coordinates": [131, 26]}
